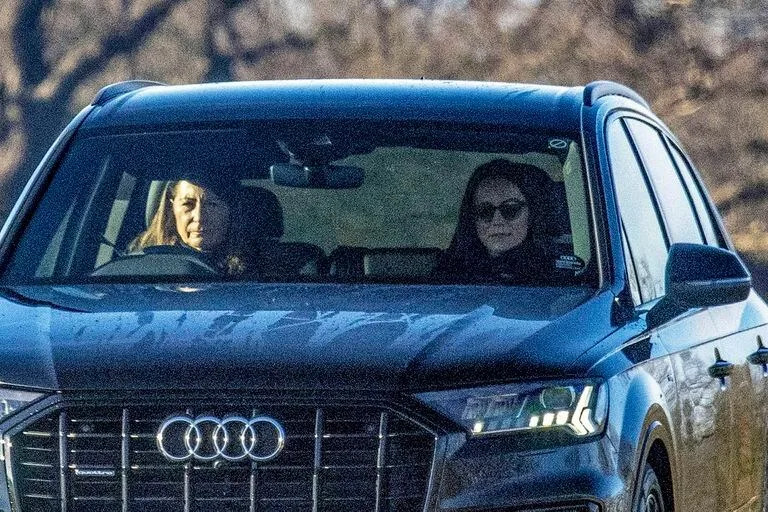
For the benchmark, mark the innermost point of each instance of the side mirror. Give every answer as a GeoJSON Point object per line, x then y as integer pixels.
{"type": "Point", "coordinates": [699, 276]}
{"type": "Point", "coordinates": [317, 176]}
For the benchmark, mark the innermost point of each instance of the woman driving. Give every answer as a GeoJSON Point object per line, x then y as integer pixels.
{"type": "Point", "coordinates": [201, 217]}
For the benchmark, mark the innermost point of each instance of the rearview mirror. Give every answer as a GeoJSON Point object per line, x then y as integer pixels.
{"type": "Point", "coordinates": [322, 176]}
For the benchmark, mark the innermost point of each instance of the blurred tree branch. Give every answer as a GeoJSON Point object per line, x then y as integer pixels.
{"type": "Point", "coordinates": [219, 62]}
{"type": "Point", "coordinates": [28, 41]}
{"type": "Point", "coordinates": [290, 41]}
{"type": "Point", "coordinates": [62, 84]}
{"type": "Point", "coordinates": [5, 124]}
{"type": "Point", "coordinates": [383, 24]}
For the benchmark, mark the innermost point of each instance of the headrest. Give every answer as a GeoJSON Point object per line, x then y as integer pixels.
{"type": "Point", "coordinates": [262, 209]}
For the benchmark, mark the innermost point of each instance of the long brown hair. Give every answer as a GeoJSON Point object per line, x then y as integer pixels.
{"type": "Point", "coordinates": [162, 227]}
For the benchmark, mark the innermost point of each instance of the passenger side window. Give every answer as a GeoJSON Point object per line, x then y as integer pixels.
{"type": "Point", "coordinates": [705, 219]}
{"type": "Point", "coordinates": [673, 198]}
{"type": "Point", "coordinates": [645, 236]}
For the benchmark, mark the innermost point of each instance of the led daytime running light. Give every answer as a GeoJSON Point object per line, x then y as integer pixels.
{"type": "Point", "coordinates": [578, 408]}
{"type": "Point", "coordinates": [580, 420]}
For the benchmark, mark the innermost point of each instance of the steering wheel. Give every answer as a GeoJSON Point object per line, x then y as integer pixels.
{"type": "Point", "coordinates": [185, 251]}
{"type": "Point", "coordinates": [158, 260]}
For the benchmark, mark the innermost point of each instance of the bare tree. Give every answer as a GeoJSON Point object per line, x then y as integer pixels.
{"type": "Point", "coordinates": [45, 87]}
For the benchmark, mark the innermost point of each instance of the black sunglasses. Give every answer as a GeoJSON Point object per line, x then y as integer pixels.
{"type": "Point", "coordinates": [509, 210]}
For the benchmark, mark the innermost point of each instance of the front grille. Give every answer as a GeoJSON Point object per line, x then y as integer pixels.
{"type": "Point", "coordinates": [338, 458]}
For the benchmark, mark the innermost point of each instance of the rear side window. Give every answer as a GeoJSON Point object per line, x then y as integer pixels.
{"type": "Point", "coordinates": [645, 236]}
{"type": "Point", "coordinates": [705, 219]}
{"type": "Point", "coordinates": [673, 199]}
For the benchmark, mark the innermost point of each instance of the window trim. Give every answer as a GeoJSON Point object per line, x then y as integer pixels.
{"type": "Point", "coordinates": [667, 147]}
{"type": "Point", "coordinates": [647, 178]}
{"type": "Point", "coordinates": [722, 241]}
{"type": "Point", "coordinates": [663, 136]}
{"type": "Point", "coordinates": [634, 291]}
{"type": "Point", "coordinates": [619, 117]}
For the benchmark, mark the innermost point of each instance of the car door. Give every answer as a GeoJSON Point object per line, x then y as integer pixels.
{"type": "Point", "coordinates": [702, 411]}
{"type": "Point", "coordinates": [743, 334]}
{"type": "Point", "coordinates": [730, 324]}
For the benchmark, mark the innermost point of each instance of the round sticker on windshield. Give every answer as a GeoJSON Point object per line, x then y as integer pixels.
{"type": "Point", "coordinates": [557, 144]}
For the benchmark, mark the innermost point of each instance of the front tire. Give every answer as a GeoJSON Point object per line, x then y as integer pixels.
{"type": "Point", "coordinates": [650, 497]}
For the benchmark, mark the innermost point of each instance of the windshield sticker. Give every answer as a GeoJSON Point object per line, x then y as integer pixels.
{"type": "Point", "coordinates": [569, 262]}
{"type": "Point", "coordinates": [557, 144]}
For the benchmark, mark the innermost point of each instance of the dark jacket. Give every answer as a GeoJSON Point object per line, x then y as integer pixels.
{"type": "Point", "coordinates": [526, 264]}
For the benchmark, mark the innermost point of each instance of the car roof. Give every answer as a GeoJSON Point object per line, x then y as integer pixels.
{"type": "Point", "coordinates": [543, 107]}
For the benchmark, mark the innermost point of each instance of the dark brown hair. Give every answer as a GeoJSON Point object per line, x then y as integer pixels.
{"type": "Point", "coordinates": [534, 184]}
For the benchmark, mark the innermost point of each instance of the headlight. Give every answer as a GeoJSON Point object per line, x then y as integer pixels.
{"type": "Point", "coordinates": [579, 408]}
{"type": "Point", "coordinates": [11, 400]}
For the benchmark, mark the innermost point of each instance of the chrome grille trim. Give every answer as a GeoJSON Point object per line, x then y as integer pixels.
{"type": "Point", "coordinates": [349, 453]}
{"type": "Point", "coordinates": [380, 460]}
{"type": "Point", "coordinates": [317, 461]}
{"type": "Point", "coordinates": [125, 456]}
{"type": "Point", "coordinates": [252, 488]}
{"type": "Point", "coordinates": [63, 460]}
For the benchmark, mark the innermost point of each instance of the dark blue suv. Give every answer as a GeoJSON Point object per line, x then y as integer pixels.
{"type": "Point", "coordinates": [375, 296]}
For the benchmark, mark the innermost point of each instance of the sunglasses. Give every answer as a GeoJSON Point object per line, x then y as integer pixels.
{"type": "Point", "coordinates": [509, 210]}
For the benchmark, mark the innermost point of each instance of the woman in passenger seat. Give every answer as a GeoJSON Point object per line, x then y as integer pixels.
{"type": "Point", "coordinates": [500, 215]}
{"type": "Point", "coordinates": [202, 217]}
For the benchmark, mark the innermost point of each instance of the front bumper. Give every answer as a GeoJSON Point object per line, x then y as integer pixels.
{"type": "Point", "coordinates": [491, 474]}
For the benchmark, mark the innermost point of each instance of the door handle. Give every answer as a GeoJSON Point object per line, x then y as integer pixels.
{"type": "Point", "coordinates": [721, 369]}
{"type": "Point", "coordinates": [760, 357]}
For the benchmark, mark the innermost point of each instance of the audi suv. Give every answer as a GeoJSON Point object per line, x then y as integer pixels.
{"type": "Point", "coordinates": [337, 366]}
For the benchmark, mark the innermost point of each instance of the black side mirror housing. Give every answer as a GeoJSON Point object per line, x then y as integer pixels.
{"type": "Point", "coordinates": [700, 276]}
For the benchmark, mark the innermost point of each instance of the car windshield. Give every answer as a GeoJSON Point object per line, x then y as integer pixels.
{"type": "Point", "coordinates": [313, 201]}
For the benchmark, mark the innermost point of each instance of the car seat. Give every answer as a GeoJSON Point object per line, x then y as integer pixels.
{"type": "Point", "coordinates": [384, 263]}
{"type": "Point", "coordinates": [266, 226]}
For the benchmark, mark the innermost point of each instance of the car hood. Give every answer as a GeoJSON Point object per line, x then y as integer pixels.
{"type": "Point", "coordinates": [261, 336]}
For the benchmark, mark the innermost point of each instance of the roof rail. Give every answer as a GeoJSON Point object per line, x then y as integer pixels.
{"type": "Point", "coordinates": [114, 90]}
{"type": "Point", "coordinates": [593, 91]}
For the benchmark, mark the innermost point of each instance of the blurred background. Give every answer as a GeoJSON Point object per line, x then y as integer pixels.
{"type": "Point", "coordinates": [702, 64]}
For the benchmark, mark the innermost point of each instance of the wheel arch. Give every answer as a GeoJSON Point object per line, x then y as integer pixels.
{"type": "Point", "coordinates": [658, 458]}
{"type": "Point", "coordinates": [643, 430]}
{"type": "Point", "coordinates": [655, 451]}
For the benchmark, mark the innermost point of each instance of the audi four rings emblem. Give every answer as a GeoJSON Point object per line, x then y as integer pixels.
{"type": "Point", "coordinates": [233, 438]}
